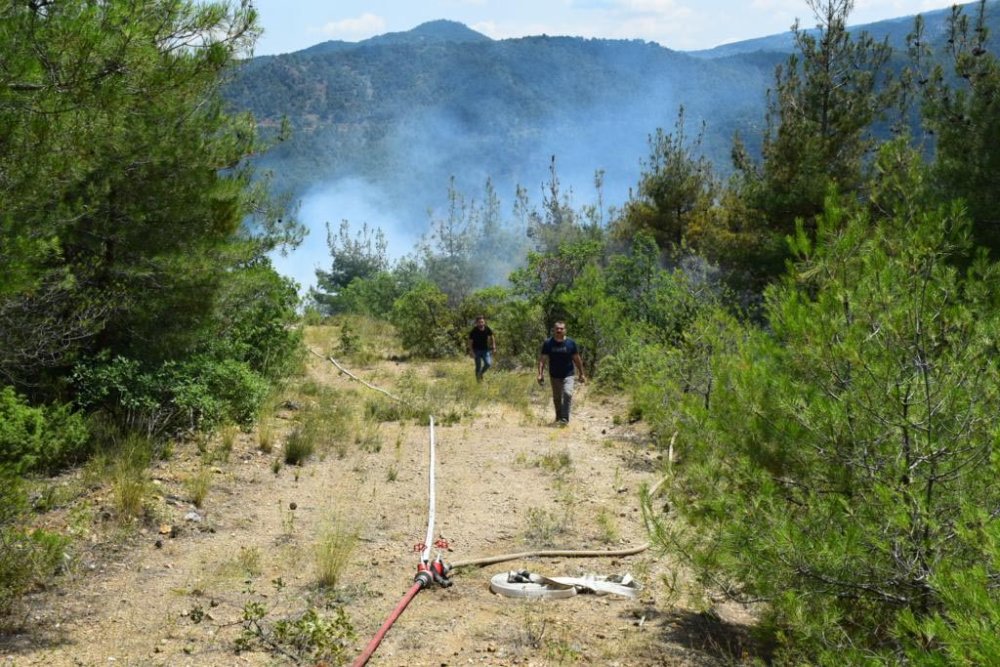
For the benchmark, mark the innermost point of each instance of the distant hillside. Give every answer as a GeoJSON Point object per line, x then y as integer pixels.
{"type": "Point", "coordinates": [895, 30]}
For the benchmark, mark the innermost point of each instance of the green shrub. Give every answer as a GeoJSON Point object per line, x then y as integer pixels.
{"type": "Point", "coordinates": [311, 637]}
{"type": "Point", "coordinates": [239, 389]}
{"type": "Point", "coordinates": [844, 465]}
{"type": "Point", "coordinates": [38, 438]}
{"type": "Point", "coordinates": [198, 394]}
{"type": "Point", "coordinates": [426, 324]}
{"type": "Point", "coordinates": [372, 296]}
{"type": "Point", "coordinates": [635, 362]}
{"type": "Point", "coordinates": [256, 314]}
{"type": "Point", "coordinates": [963, 630]}
{"type": "Point", "coordinates": [27, 557]}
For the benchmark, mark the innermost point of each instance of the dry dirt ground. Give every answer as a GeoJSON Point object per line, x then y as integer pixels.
{"type": "Point", "coordinates": [507, 481]}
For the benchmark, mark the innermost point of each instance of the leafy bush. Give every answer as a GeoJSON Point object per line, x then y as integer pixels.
{"type": "Point", "coordinates": [255, 319]}
{"type": "Point", "coordinates": [634, 365]}
{"type": "Point", "coordinates": [425, 323]}
{"type": "Point", "coordinates": [311, 637]}
{"type": "Point", "coordinates": [197, 394]}
{"type": "Point", "coordinates": [38, 438]}
{"type": "Point", "coordinates": [597, 320]}
{"type": "Point", "coordinates": [238, 389]}
{"type": "Point", "coordinates": [372, 296]}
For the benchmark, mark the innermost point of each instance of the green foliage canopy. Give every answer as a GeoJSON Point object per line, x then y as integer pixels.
{"type": "Point", "coordinates": [125, 189]}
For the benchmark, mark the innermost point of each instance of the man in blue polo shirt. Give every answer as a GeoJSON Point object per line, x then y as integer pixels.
{"type": "Point", "coordinates": [563, 356]}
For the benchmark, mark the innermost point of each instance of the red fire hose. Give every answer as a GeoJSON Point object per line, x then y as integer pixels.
{"type": "Point", "coordinates": [377, 639]}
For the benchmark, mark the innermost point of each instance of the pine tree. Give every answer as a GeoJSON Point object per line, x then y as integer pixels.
{"type": "Point", "coordinates": [962, 111]}
{"type": "Point", "coordinates": [676, 182]}
{"type": "Point", "coordinates": [847, 449]}
{"type": "Point", "coordinates": [820, 113]}
{"type": "Point", "coordinates": [125, 187]}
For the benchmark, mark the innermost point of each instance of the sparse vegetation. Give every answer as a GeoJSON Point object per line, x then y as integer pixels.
{"type": "Point", "coordinates": [198, 484]}
{"type": "Point", "coordinates": [559, 463]}
{"type": "Point", "coordinates": [129, 488]}
{"type": "Point", "coordinates": [607, 526]}
{"type": "Point", "coordinates": [28, 557]}
{"type": "Point", "coordinates": [334, 546]}
{"type": "Point", "coordinates": [543, 526]}
{"type": "Point", "coordinates": [319, 638]}
{"type": "Point", "coordinates": [249, 561]}
{"type": "Point", "coordinates": [300, 445]}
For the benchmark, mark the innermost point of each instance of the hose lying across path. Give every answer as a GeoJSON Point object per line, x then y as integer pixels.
{"type": "Point", "coordinates": [423, 578]}
{"type": "Point", "coordinates": [356, 378]}
{"type": "Point", "coordinates": [425, 574]}
{"type": "Point", "coordinates": [490, 560]}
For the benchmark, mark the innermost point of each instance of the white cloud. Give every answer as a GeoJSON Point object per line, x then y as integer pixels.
{"type": "Point", "coordinates": [359, 27]}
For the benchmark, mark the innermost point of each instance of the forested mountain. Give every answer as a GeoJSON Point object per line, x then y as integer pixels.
{"type": "Point", "coordinates": [410, 110]}
{"type": "Point", "coordinates": [406, 111]}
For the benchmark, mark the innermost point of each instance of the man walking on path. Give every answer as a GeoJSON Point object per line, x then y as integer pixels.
{"type": "Point", "coordinates": [482, 346]}
{"type": "Point", "coordinates": [563, 356]}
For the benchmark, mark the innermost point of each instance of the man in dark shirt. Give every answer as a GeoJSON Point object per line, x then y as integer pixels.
{"type": "Point", "coordinates": [482, 346]}
{"type": "Point", "coordinates": [563, 356]}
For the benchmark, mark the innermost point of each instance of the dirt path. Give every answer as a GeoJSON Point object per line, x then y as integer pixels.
{"type": "Point", "coordinates": [507, 482]}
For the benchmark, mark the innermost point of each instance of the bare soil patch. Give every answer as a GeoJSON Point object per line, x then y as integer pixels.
{"type": "Point", "coordinates": [507, 481]}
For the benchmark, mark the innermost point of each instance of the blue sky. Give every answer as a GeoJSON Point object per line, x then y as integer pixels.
{"type": "Point", "coordinates": [291, 25]}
